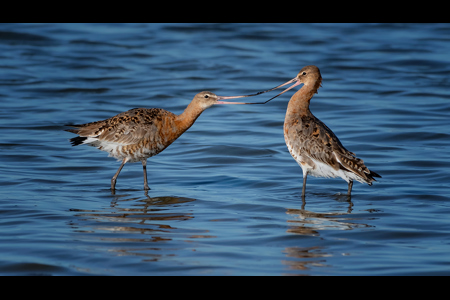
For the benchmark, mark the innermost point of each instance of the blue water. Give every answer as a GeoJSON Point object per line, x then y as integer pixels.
{"type": "Point", "coordinates": [225, 197]}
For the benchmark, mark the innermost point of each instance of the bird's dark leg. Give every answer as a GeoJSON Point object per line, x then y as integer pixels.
{"type": "Point", "coordinates": [349, 196]}
{"type": "Point", "coordinates": [304, 185]}
{"type": "Point", "coordinates": [350, 185]}
{"type": "Point", "coordinates": [114, 179]}
{"type": "Point", "coordinates": [144, 166]}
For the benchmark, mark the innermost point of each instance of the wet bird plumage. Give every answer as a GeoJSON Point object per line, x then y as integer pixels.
{"type": "Point", "coordinates": [312, 144]}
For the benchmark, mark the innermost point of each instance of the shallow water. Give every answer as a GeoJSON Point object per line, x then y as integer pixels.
{"type": "Point", "coordinates": [225, 197]}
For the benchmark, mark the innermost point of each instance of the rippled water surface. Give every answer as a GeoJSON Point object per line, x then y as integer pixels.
{"type": "Point", "coordinates": [225, 197]}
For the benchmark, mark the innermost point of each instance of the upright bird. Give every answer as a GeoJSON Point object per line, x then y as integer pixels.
{"type": "Point", "coordinates": [311, 143]}
{"type": "Point", "coordinates": [140, 133]}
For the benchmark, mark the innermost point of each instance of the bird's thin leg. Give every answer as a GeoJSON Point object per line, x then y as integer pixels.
{"type": "Point", "coordinates": [305, 174]}
{"type": "Point", "coordinates": [113, 180]}
{"type": "Point", "coordinates": [349, 196]}
{"type": "Point", "coordinates": [303, 202]}
{"type": "Point", "coordinates": [144, 166]}
{"type": "Point", "coordinates": [350, 185]}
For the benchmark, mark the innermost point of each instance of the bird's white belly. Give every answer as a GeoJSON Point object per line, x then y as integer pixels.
{"type": "Point", "coordinates": [119, 151]}
{"type": "Point", "coordinates": [317, 168]}
{"type": "Point", "coordinates": [323, 170]}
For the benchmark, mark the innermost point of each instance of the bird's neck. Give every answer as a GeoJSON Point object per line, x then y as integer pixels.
{"type": "Point", "coordinates": [185, 120]}
{"type": "Point", "coordinates": [299, 103]}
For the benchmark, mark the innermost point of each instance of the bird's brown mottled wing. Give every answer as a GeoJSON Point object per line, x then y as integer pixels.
{"type": "Point", "coordinates": [126, 128]}
{"type": "Point", "coordinates": [317, 141]}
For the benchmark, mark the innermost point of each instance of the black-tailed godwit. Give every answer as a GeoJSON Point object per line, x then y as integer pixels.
{"type": "Point", "coordinates": [311, 143]}
{"type": "Point", "coordinates": [140, 133]}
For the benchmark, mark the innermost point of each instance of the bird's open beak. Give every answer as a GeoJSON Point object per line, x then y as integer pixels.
{"type": "Point", "coordinates": [297, 82]}
{"type": "Point", "coordinates": [219, 98]}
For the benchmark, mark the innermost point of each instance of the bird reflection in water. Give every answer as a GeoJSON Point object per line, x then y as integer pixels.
{"type": "Point", "coordinates": [304, 258]}
{"type": "Point", "coordinates": [141, 226]}
{"type": "Point", "coordinates": [307, 222]}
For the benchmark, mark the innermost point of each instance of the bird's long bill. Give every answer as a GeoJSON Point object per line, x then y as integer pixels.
{"type": "Point", "coordinates": [219, 98]}
{"type": "Point", "coordinates": [259, 93]}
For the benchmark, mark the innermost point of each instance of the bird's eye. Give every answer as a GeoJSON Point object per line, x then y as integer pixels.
{"type": "Point", "coordinates": [206, 96]}
{"type": "Point", "coordinates": [304, 73]}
